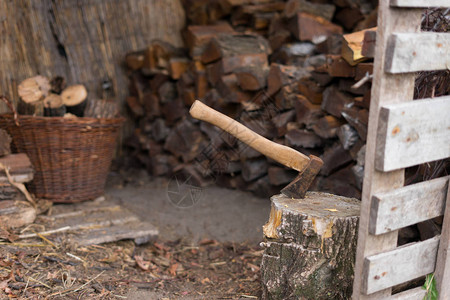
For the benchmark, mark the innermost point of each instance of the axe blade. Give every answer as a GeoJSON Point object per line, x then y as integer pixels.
{"type": "Point", "coordinates": [298, 187]}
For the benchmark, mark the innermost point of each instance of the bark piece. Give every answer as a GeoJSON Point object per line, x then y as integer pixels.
{"type": "Point", "coordinates": [308, 27]}
{"type": "Point", "coordinates": [5, 143]}
{"type": "Point", "coordinates": [303, 138]}
{"type": "Point", "coordinates": [75, 99]}
{"type": "Point", "coordinates": [54, 106]}
{"type": "Point", "coordinates": [14, 214]}
{"type": "Point", "coordinates": [311, 247]}
{"type": "Point", "coordinates": [368, 45]}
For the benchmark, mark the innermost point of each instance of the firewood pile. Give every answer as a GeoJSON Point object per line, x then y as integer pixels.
{"type": "Point", "coordinates": [284, 69]}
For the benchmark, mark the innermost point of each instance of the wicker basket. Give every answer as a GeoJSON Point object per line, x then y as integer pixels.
{"type": "Point", "coordinates": [71, 157]}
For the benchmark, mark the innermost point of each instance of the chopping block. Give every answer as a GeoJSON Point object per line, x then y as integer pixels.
{"type": "Point", "coordinates": [309, 247]}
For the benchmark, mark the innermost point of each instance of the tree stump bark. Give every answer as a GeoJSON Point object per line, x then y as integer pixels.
{"type": "Point", "coordinates": [310, 247]}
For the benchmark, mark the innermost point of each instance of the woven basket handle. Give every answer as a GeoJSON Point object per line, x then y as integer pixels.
{"type": "Point", "coordinates": [11, 107]}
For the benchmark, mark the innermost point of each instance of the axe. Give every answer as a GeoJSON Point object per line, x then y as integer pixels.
{"type": "Point", "coordinates": [308, 167]}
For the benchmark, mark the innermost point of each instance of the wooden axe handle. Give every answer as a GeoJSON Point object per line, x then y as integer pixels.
{"type": "Point", "coordinates": [280, 153]}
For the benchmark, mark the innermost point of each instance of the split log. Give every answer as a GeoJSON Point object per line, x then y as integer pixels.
{"type": "Point", "coordinates": [75, 99]}
{"type": "Point", "coordinates": [15, 214]}
{"type": "Point", "coordinates": [307, 113]}
{"type": "Point", "coordinates": [331, 45]}
{"type": "Point", "coordinates": [347, 136]}
{"type": "Point", "coordinates": [229, 89]}
{"type": "Point", "coordinates": [54, 106]}
{"type": "Point", "coordinates": [368, 45]}
{"type": "Point", "coordinates": [18, 164]}
{"type": "Point", "coordinates": [253, 169]}
{"type": "Point", "coordinates": [311, 247]}
{"type": "Point", "coordinates": [353, 45]}
{"type": "Point", "coordinates": [5, 143]}
{"type": "Point", "coordinates": [185, 141]}
{"type": "Point", "coordinates": [326, 127]}
{"type": "Point", "coordinates": [362, 69]}
{"type": "Point", "coordinates": [159, 130]}
{"type": "Point", "coordinates": [174, 110]}
{"type": "Point", "coordinates": [252, 78]}
{"type": "Point", "coordinates": [32, 92]}
{"type": "Point", "coordinates": [178, 66]}
{"type": "Point", "coordinates": [323, 10]}
{"type": "Point", "coordinates": [311, 90]}
{"type": "Point", "coordinates": [197, 37]}
{"type": "Point", "coordinates": [308, 27]}
{"type": "Point", "coordinates": [279, 176]}
{"type": "Point", "coordinates": [157, 57]}
{"type": "Point", "coordinates": [281, 75]}
{"type": "Point", "coordinates": [135, 60]}
{"type": "Point", "coordinates": [334, 158]}
{"type": "Point", "coordinates": [338, 67]}
{"type": "Point", "coordinates": [334, 101]}
{"type": "Point", "coordinates": [348, 17]}
{"type": "Point", "coordinates": [262, 187]}
{"type": "Point", "coordinates": [135, 107]}
{"type": "Point", "coordinates": [303, 138]}
{"type": "Point", "coordinates": [346, 85]}
{"type": "Point", "coordinates": [280, 121]}
{"type": "Point", "coordinates": [358, 118]}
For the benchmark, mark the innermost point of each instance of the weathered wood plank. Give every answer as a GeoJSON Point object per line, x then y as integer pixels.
{"type": "Point", "coordinates": [413, 133]}
{"type": "Point", "coordinates": [386, 88]}
{"type": "Point", "coordinates": [442, 272]}
{"type": "Point", "coordinates": [413, 294]}
{"type": "Point", "coordinates": [420, 3]}
{"type": "Point", "coordinates": [388, 269]}
{"type": "Point", "coordinates": [408, 205]}
{"type": "Point", "coordinates": [411, 52]}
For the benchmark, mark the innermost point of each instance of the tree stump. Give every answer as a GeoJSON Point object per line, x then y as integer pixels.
{"type": "Point", "coordinates": [310, 247]}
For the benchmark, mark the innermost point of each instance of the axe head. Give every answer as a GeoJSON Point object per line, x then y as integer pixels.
{"type": "Point", "coordinates": [298, 187]}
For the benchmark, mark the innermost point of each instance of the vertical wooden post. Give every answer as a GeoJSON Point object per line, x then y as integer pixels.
{"type": "Point", "coordinates": [442, 272]}
{"type": "Point", "coordinates": [386, 89]}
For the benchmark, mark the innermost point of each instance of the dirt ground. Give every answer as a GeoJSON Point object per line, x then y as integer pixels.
{"type": "Point", "coordinates": [206, 250]}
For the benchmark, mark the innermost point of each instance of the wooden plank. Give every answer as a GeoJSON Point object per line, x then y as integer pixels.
{"type": "Point", "coordinates": [405, 263]}
{"type": "Point", "coordinates": [408, 205]}
{"type": "Point", "coordinates": [442, 272]}
{"type": "Point", "coordinates": [413, 133]}
{"type": "Point", "coordinates": [411, 52]}
{"type": "Point", "coordinates": [413, 294]}
{"type": "Point", "coordinates": [386, 88]}
{"type": "Point", "coordinates": [420, 3]}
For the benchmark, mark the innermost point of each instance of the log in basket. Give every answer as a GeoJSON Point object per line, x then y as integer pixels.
{"type": "Point", "coordinates": [71, 157]}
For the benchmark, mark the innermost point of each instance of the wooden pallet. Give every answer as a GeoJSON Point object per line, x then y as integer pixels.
{"type": "Point", "coordinates": [403, 133]}
{"type": "Point", "coordinates": [96, 222]}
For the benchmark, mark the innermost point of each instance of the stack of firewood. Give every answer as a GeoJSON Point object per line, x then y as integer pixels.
{"type": "Point", "coordinates": [15, 171]}
{"type": "Point", "coordinates": [39, 96]}
{"type": "Point", "coordinates": [284, 69]}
